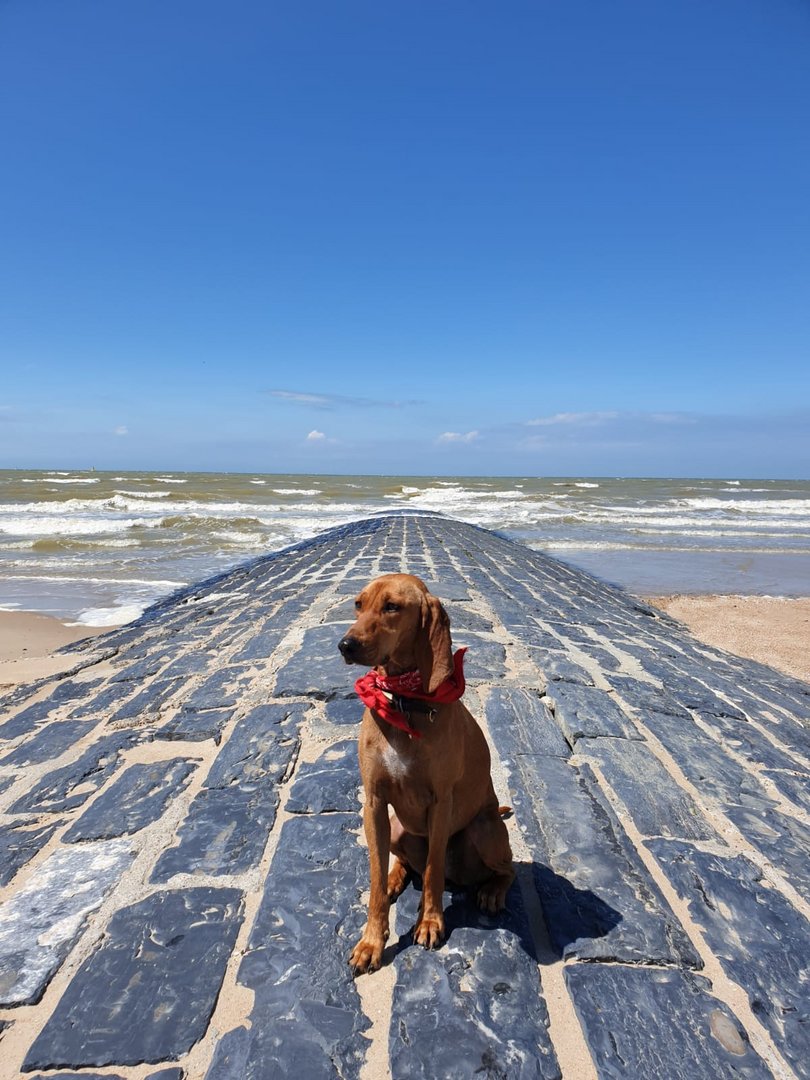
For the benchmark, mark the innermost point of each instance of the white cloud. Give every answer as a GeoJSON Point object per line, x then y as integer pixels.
{"type": "Point", "coordinates": [314, 436]}
{"type": "Point", "coordinates": [586, 419]}
{"type": "Point", "coordinates": [457, 436]}
{"type": "Point", "coordinates": [122, 429]}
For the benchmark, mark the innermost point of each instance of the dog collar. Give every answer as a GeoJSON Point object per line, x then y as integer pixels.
{"type": "Point", "coordinates": [389, 695]}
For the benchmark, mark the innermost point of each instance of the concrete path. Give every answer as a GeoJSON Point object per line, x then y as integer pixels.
{"type": "Point", "coordinates": [182, 874]}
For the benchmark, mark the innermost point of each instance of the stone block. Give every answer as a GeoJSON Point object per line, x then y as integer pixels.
{"type": "Point", "coordinates": [485, 659]}
{"type": "Point", "coordinates": [260, 749]}
{"type": "Point", "coordinates": [49, 743]}
{"type": "Point", "coordinates": [41, 922]}
{"type": "Point", "coordinates": [600, 903]}
{"type": "Point", "coordinates": [654, 801]}
{"type": "Point", "coordinates": [195, 726]}
{"type": "Point", "coordinates": [225, 832]}
{"type": "Point", "coordinates": [331, 783]}
{"type": "Point", "coordinates": [346, 711]}
{"type": "Point", "coordinates": [160, 965]}
{"type": "Point", "coordinates": [520, 723]}
{"type": "Point", "coordinates": [19, 843]}
{"type": "Point", "coordinates": [587, 711]}
{"type": "Point", "coordinates": [652, 1023]}
{"type": "Point", "coordinates": [137, 798]}
{"type": "Point", "coordinates": [221, 690]}
{"type": "Point", "coordinates": [71, 785]}
{"type": "Point", "coordinates": [307, 1020]}
{"type": "Point", "coordinates": [317, 669]}
{"type": "Point", "coordinates": [758, 936]}
{"type": "Point", "coordinates": [149, 702]}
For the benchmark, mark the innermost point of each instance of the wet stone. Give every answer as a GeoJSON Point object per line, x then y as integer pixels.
{"type": "Point", "coordinates": [71, 785]}
{"type": "Point", "coordinates": [136, 799]}
{"type": "Point", "coordinates": [49, 743]}
{"type": "Point", "coordinates": [586, 711]}
{"type": "Point", "coordinates": [225, 832]}
{"type": "Point", "coordinates": [473, 1007]}
{"type": "Point", "coordinates": [149, 701]}
{"type": "Point", "coordinates": [223, 689]}
{"type": "Point", "coordinates": [307, 1020]}
{"type": "Point", "coordinates": [195, 726]}
{"type": "Point", "coordinates": [260, 750]}
{"type": "Point", "coordinates": [346, 711]}
{"type": "Point", "coordinates": [484, 659]}
{"type": "Point", "coordinates": [644, 696]}
{"type": "Point", "coordinates": [40, 923]}
{"type": "Point", "coordinates": [653, 1023]}
{"type": "Point", "coordinates": [194, 662]}
{"type": "Point", "coordinates": [160, 965]}
{"type": "Point", "coordinates": [318, 669]}
{"type": "Point", "coordinates": [655, 802]}
{"type": "Point", "coordinates": [166, 1074]}
{"type": "Point", "coordinates": [261, 645]}
{"type": "Point", "coordinates": [328, 784]}
{"type": "Point", "coordinates": [19, 843]}
{"type": "Point", "coordinates": [141, 670]}
{"type": "Point", "coordinates": [520, 723]}
{"type": "Point", "coordinates": [557, 668]}
{"type": "Point", "coordinates": [99, 704]}
{"type": "Point", "coordinates": [599, 901]}
{"type": "Point", "coordinates": [760, 938]}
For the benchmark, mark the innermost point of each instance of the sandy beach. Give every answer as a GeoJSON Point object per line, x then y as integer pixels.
{"type": "Point", "coordinates": [28, 645]}
{"type": "Point", "coordinates": [771, 630]}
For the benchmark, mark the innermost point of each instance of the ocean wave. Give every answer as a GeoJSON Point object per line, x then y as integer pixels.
{"type": "Point", "coordinates": [145, 494]}
{"type": "Point", "coordinates": [75, 480]}
{"type": "Point", "coordinates": [296, 491]}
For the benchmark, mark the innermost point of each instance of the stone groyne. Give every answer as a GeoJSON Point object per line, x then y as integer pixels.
{"type": "Point", "coordinates": [182, 873]}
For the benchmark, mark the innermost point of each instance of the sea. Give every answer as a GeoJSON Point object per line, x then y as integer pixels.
{"type": "Point", "coordinates": [96, 548]}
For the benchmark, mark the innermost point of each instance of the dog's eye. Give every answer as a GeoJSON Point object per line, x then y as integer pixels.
{"type": "Point", "coordinates": [357, 605]}
{"type": "Point", "coordinates": [389, 608]}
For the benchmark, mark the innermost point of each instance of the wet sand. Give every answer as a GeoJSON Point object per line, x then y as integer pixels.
{"type": "Point", "coordinates": [28, 645]}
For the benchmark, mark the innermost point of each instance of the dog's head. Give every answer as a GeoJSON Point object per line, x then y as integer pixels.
{"type": "Point", "coordinates": [400, 626]}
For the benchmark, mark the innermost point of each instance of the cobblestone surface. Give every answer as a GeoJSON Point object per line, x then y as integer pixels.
{"type": "Point", "coordinates": [181, 865]}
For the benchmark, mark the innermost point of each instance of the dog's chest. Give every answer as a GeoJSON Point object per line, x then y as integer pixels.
{"type": "Point", "coordinates": [396, 763]}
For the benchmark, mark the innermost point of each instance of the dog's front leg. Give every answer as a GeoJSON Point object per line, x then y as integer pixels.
{"type": "Point", "coordinates": [367, 953]}
{"type": "Point", "coordinates": [429, 929]}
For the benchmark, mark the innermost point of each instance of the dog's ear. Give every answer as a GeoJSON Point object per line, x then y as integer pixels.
{"type": "Point", "coordinates": [434, 652]}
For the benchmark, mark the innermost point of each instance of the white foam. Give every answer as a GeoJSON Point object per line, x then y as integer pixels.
{"type": "Point", "coordinates": [109, 616]}
{"type": "Point", "coordinates": [296, 491]}
{"type": "Point", "coordinates": [582, 484]}
{"type": "Point", "coordinates": [75, 480]}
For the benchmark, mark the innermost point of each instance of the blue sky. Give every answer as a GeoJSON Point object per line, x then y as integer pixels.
{"type": "Point", "coordinates": [536, 237]}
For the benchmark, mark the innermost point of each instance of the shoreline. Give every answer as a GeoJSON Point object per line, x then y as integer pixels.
{"type": "Point", "coordinates": [771, 630]}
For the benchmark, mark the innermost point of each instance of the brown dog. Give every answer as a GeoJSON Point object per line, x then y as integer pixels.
{"type": "Point", "coordinates": [436, 775]}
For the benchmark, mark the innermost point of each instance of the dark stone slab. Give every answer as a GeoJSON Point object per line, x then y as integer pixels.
{"type": "Point", "coordinates": [26, 720]}
{"type": "Point", "coordinates": [195, 726]}
{"type": "Point", "coordinates": [160, 965]}
{"type": "Point", "coordinates": [140, 670]}
{"type": "Point", "coordinates": [221, 690]}
{"type": "Point", "coordinates": [599, 901]}
{"type": "Point", "coordinates": [644, 696]}
{"type": "Point", "coordinates": [558, 668]}
{"type": "Point", "coordinates": [307, 1020]}
{"type": "Point", "coordinates": [19, 843]}
{"type": "Point", "coordinates": [51, 742]}
{"type": "Point", "coordinates": [149, 702]}
{"type": "Point", "coordinates": [224, 832]}
{"type": "Point", "coordinates": [167, 1074]}
{"type": "Point", "coordinates": [643, 1023]}
{"type": "Point", "coordinates": [262, 746]}
{"type": "Point", "coordinates": [41, 922]}
{"type": "Point", "coordinates": [793, 785]}
{"type": "Point", "coordinates": [137, 798]}
{"type": "Point", "coordinates": [193, 662]}
{"type": "Point", "coordinates": [760, 938]}
{"type": "Point", "coordinates": [520, 723]}
{"type": "Point", "coordinates": [263, 644]}
{"type": "Point", "coordinates": [462, 617]}
{"type": "Point", "coordinates": [317, 669]}
{"type": "Point", "coordinates": [586, 711]}
{"type": "Point", "coordinates": [99, 704]}
{"type": "Point", "coordinates": [484, 659]}
{"type": "Point", "coordinates": [655, 802]}
{"type": "Point", "coordinates": [71, 785]}
{"type": "Point", "coordinates": [346, 711]}
{"type": "Point", "coordinates": [328, 784]}
{"type": "Point", "coordinates": [474, 1007]}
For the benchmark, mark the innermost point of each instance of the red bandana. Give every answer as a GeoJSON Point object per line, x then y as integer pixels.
{"type": "Point", "coordinates": [376, 691]}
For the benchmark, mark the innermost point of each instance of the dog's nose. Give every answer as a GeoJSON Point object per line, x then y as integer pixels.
{"type": "Point", "coordinates": [348, 648]}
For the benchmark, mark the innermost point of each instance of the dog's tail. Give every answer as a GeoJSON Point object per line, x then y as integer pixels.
{"type": "Point", "coordinates": [505, 811]}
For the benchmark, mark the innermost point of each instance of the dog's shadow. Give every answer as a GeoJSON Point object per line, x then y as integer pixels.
{"type": "Point", "coordinates": [571, 915]}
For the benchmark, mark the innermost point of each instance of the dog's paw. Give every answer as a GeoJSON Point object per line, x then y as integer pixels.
{"type": "Point", "coordinates": [366, 955]}
{"type": "Point", "coordinates": [492, 897]}
{"type": "Point", "coordinates": [397, 880]}
{"type": "Point", "coordinates": [429, 931]}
